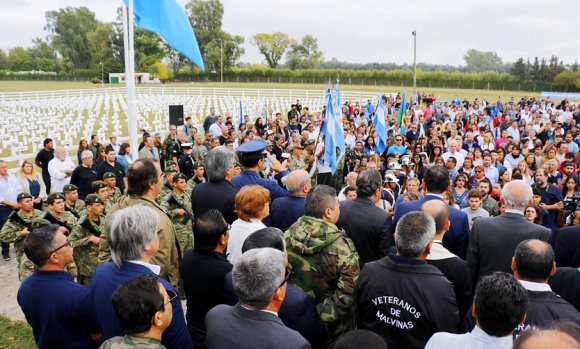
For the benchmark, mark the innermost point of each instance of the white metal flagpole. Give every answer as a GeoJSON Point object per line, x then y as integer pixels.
{"type": "Point", "coordinates": [128, 28]}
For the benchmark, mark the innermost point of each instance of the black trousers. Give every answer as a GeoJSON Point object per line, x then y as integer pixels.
{"type": "Point", "coordinates": [5, 211]}
{"type": "Point", "coordinates": [324, 178]}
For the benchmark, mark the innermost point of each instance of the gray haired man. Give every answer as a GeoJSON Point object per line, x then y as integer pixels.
{"type": "Point", "coordinates": [260, 278]}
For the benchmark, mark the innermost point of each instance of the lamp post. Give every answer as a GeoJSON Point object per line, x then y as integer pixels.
{"type": "Point", "coordinates": [414, 32]}
{"type": "Point", "coordinates": [102, 74]}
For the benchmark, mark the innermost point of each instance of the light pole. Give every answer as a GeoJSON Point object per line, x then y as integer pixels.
{"type": "Point", "coordinates": [414, 32]}
{"type": "Point", "coordinates": [222, 62]}
{"type": "Point", "coordinates": [102, 74]}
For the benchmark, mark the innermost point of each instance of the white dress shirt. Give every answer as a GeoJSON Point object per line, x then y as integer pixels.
{"type": "Point", "coordinates": [476, 339]}
{"type": "Point", "coordinates": [240, 231]}
{"type": "Point", "coordinates": [9, 188]}
{"type": "Point", "coordinates": [58, 177]}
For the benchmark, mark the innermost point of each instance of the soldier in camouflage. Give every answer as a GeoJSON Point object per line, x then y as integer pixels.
{"type": "Point", "coordinates": [324, 261]}
{"type": "Point", "coordinates": [114, 192]}
{"type": "Point", "coordinates": [56, 214]}
{"type": "Point", "coordinates": [296, 162]}
{"type": "Point", "coordinates": [72, 203]}
{"type": "Point", "coordinates": [198, 177]}
{"type": "Point", "coordinates": [169, 142]}
{"type": "Point", "coordinates": [167, 185]}
{"type": "Point", "coordinates": [170, 164]}
{"type": "Point", "coordinates": [85, 239]}
{"type": "Point", "coordinates": [178, 206]}
{"type": "Point", "coordinates": [17, 228]}
{"type": "Point", "coordinates": [308, 153]}
{"type": "Point", "coordinates": [101, 189]}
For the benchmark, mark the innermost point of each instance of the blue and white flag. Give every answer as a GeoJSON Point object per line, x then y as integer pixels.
{"type": "Point", "coordinates": [241, 117]}
{"type": "Point", "coordinates": [381, 125]}
{"type": "Point", "coordinates": [333, 131]}
{"type": "Point", "coordinates": [168, 19]}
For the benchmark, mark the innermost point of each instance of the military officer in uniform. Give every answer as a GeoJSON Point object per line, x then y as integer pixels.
{"type": "Point", "coordinates": [198, 177]}
{"type": "Point", "coordinates": [72, 203]}
{"type": "Point", "coordinates": [308, 153]}
{"type": "Point", "coordinates": [252, 160]}
{"type": "Point", "coordinates": [56, 214]}
{"type": "Point", "coordinates": [168, 143]}
{"type": "Point", "coordinates": [17, 228]}
{"type": "Point", "coordinates": [85, 239]}
{"type": "Point", "coordinates": [170, 164]}
{"type": "Point", "coordinates": [186, 160]}
{"type": "Point", "coordinates": [178, 206]}
{"type": "Point", "coordinates": [101, 189]}
{"type": "Point", "coordinates": [114, 192]}
{"type": "Point", "coordinates": [296, 161]}
{"type": "Point", "coordinates": [167, 184]}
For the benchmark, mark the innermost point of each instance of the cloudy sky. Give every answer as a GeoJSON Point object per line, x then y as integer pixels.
{"type": "Point", "coordinates": [364, 31]}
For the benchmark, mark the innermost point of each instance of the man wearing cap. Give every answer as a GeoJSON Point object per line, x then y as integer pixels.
{"type": "Point", "coordinates": [198, 177]}
{"type": "Point", "coordinates": [186, 160]}
{"type": "Point", "coordinates": [72, 203]}
{"type": "Point", "coordinates": [167, 184]}
{"type": "Point", "coordinates": [296, 162]}
{"type": "Point", "coordinates": [56, 213]}
{"type": "Point", "coordinates": [17, 228]}
{"type": "Point", "coordinates": [169, 142]}
{"type": "Point", "coordinates": [308, 153]}
{"type": "Point", "coordinates": [101, 189]}
{"type": "Point", "coordinates": [252, 160]}
{"type": "Point", "coordinates": [85, 174]}
{"type": "Point", "coordinates": [170, 164]}
{"type": "Point", "coordinates": [114, 192]}
{"type": "Point", "coordinates": [110, 165]}
{"type": "Point", "coordinates": [85, 239]}
{"type": "Point", "coordinates": [178, 207]}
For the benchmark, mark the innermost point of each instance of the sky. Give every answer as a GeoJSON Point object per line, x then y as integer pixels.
{"type": "Point", "coordinates": [364, 31]}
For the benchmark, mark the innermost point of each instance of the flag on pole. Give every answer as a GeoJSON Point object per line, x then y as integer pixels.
{"type": "Point", "coordinates": [380, 125]}
{"type": "Point", "coordinates": [168, 19]}
{"type": "Point", "coordinates": [401, 119]}
{"type": "Point", "coordinates": [333, 131]}
{"type": "Point", "coordinates": [241, 117]}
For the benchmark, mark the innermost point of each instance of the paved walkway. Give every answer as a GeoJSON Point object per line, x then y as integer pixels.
{"type": "Point", "coordinates": [9, 288]}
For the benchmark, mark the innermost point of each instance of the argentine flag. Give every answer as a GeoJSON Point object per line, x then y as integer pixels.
{"type": "Point", "coordinates": [333, 131]}
{"type": "Point", "coordinates": [241, 117]}
{"type": "Point", "coordinates": [381, 126]}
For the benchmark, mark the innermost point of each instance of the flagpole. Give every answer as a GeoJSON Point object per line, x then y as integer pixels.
{"type": "Point", "coordinates": [128, 30]}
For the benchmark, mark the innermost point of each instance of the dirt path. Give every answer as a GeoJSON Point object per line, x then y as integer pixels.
{"type": "Point", "coordinates": [9, 288]}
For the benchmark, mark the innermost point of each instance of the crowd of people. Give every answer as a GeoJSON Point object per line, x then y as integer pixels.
{"type": "Point", "coordinates": [463, 233]}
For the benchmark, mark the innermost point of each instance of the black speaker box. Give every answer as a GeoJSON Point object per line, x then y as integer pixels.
{"type": "Point", "coordinates": [176, 115]}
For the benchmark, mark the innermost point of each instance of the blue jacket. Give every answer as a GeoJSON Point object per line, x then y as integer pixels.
{"type": "Point", "coordinates": [105, 281]}
{"type": "Point", "coordinates": [252, 178]}
{"type": "Point", "coordinates": [59, 310]}
{"type": "Point", "coordinates": [285, 211]}
{"type": "Point", "coordinates": [456, 239]}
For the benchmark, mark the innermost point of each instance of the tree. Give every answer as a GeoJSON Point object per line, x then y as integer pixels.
{"type": "Point", "coordinates": [42, 55]}
{"type": "Point", "coordinates": [68, 30]}
{"type": "Point", "coordinates": [482, 60]}
{"type": "Point", "coordinates": [555, 67]}
{"type": "Point", "coordinates": [19, 59]}
{"type": "Point", "coordinates": [304, 55]}
{"type": "Point", "coordinates": [161, 71]}
{"type": "Point", "coordinates": [272, 46]}
{"type": "Point", "coordinates": [575, 67]}
{"type": "Point", "coordinates": [519, 69]}
{"type": "Point", "coordinates": [100, 44]}
{"type": "Point", "coordinates": [3, 60]}
{"type": "Point", "coordinates": [536, 74]}
{"type": "Point", "coordinates": [232, 51]}
{"type": "Point", "coordinates": [567, 78]}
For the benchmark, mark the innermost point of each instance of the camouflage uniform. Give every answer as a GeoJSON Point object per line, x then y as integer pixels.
{"type": "Point", "coordinates": [165, 190]}
{"type": "Point", "coordinates": [296, 163]}
{"type": "Point", "coordinates": [168, 144]}
{"type": "Point", "coordinates": [184, 231]}
{"type": "Point", "coordinates": [114, 196]}
{"type": "Point", "coordinates": [325, 265]}
{"type": "Point", "coordinates": [67, 218]}
{"type": "Point", "coordinates": [306, 158]}
{"type": "Point", "coordinates": [490, 205]}
{"type": "Point", "coordinates": [191, 183]}
{"type": "Point", "coordinates": [78, 210]}
{"type": "Point", "coordinates": [10, 233]}
{"type": "Point", "coordinates": [130, 342]}
{"type": "Point", "coordinates": [85, 253]}
{"type": "Point", "coordinates": [338, 176]}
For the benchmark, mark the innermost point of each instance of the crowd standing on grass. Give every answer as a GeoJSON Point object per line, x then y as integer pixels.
{"type": "Point", "coordinates": [463, 233]}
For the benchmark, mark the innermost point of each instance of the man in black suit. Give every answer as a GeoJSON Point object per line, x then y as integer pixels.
{"type": "Point", "coordinates": [493, 240]}
{"type": "Point", "coordinates": [566, 246]}
{"type": "Point", "coordinates": [366, 224]}
{"type": "Point", "coordinates": [260, 283]}
{"type": "Point", "coordinates": [298, 310]}
{"type": "Point", "coordinates": [454, 268]}
{"type": "Point", "coordinates": [566, 283]}
{"type": "Point", "coordinates": [286, 210]}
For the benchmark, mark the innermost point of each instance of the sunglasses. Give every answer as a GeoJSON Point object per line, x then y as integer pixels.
{"type": "Point", "coordinates": [287, 276]}
{"type": "Point", "coordinates": [479, 171]}
{"type": "Point", "coordinates": [67, 243]}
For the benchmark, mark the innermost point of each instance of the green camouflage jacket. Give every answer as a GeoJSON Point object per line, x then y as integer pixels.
{"type": "Point", "coordinates": [67, 220]}
{"type": "Point", "coordinates": [296, 164]}
{"type": "Point", "coordinates": [326, 266]}
{"type": "Point", "coordinates": [165, 189]}
{"type": "Point", "coordinates": [183, 224]}
{"type": "Point", "coordinates": [191, 183]}
{"type": "Point", "coordinates": [85, 253]}
{"type": "Point", "coordinates": [79, 210]}
{"type": "Point", "coordinates": [168, 144]}
{"type": "Point", "coordinates": [130, 342]}
{"type": "Point", "coordinates": [114, 196]}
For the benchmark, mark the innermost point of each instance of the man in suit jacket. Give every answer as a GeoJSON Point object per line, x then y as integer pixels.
{"type": "Point", "coordinates": [133, 240]}
{"type": "Point", "coordinates": [260, 284]}
{"type": "Point", "coordinates": [149, 151]}
{"type": "Point", "coordinates": [494, 240]}
{"type": "Point", "coordinates": [566, 247]}
{"type": "Point", "coordinates": [435, 183]}
{"type": "Point", "coordinates": [286, 210]}
{"type": "Point", "coordinates": [366, 224]}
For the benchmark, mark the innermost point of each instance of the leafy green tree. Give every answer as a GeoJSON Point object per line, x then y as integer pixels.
{"type": "Point", "coordinates": [519, 69]}
{"type": "Point", "coordinates": [232, 51]}
{"type": "Point", "coordinates": [100, 44]}
{"type": "Point", "coordinates": [305, 55]}
{"type": "Point", "coordinates": [19, 59]}
{"type": "Point", "coordinates": [555, 67]}
{"type": "Point", "coordinates": [3, 60]}
{"type": "Point", "coordinates": [482, 60]}
{"type": "Point", "coordinates": [536, 73]}
{"type": "Point", "coordinates": [272, 46]}
{"type": "Point", "coordinates": [68, 30]}
{"type": "Point", "coordinates": [42, 55]}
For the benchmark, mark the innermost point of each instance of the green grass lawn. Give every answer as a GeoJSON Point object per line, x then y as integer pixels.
{"type": "Point", "coordinates": [15, 334]}
{"type": "Point", "coordinates": [446, 94]}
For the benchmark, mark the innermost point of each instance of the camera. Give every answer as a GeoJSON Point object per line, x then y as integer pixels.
{"type": "Point", "coordinates": [572, 203]}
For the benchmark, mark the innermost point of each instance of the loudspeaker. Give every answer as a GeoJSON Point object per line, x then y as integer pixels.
{"type": "Point", "coordinates": [176, 115]}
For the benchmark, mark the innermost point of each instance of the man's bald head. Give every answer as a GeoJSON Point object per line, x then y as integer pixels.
{"type": "Point", "coordinates": [297, 181]}
{"type": "Point", "coordinates": [516, 194]}
{"type": "Point", "coordinates": [534, 261]}
{"type": "Point", "coordinates": [439, 210]}
{"type": "Point", "coordinates": [60, 153]}
{"type": "Point", "coordinates": [552, 339]}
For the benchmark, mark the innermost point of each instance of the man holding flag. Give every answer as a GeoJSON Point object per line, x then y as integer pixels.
{"type": "Point", "coordinates": [380, 125]}
{"type": "Point", "coordinates": [328, 158]}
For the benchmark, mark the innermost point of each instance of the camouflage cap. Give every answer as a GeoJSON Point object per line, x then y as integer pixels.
{"type": "Point", "coordinates": [70, 187]}
{"type": "Point", "coordinates": [170, 163]}
{"type": "Point", "coordinates": [291, 147]}
{"type": "Point", "coordinates": [39, 223]}
{"type": "Point", "coordinates": [179, 176]}
{"type": "Point", "coordinates": [93, 199]}
{"type": "Point", "coordinates": [171, 169]}
{"type": "Point", "coordinates": [98, 185]}
{"type": "Point", "coordinates": [23, 196]}
{"type": "Point", "coordinates": [109, 175]}
{"type": "Point", "coordinates": [198, 164]}
{"type": "Point", "coordinates": [309, 141]}
{"type": "Point", "coordinates": [52, 197]}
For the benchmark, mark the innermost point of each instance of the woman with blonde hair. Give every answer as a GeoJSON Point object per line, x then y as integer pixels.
{"type": "Point", "coordinates": [525, 172]}
{"type": "Point", "coordinates": [32, 183]}
{"type": "Point", "coordinates": [550, 154]}
{"type": "Point", "coordinates": [252, 205]}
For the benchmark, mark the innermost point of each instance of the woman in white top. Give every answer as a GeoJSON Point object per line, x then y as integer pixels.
{"type": "Point", "coordinates": [32, 183]}
{"type": "Point", "coordinates": [252, 205]}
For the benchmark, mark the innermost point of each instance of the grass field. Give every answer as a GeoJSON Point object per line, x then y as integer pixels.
{"type": "Point", "coordinates": [441, 93]}
{"type": "Point", "coordinates": [15, 334]}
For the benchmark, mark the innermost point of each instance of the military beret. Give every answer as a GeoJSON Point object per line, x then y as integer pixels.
{"type": "Point", "coordinates": [39, 223]}
{"type": "Point", "coordinates": [179, 176]}
{"type": "Point", "coordinates": [109, 175]}
{"type": "Point", "coordinates": [23, 196]}
{"type": "Point", "coordinates": [70, 187]}
{"type": "Point", "coordinates": [255, 146]}
{"type": "Point", "coordinates": [309, 141]}
{"type": "Point", "coordinates": [52, 197]}
{"type": "Point", "coordinates": [170, 169]}
{"type": "Point", "coordinates": [98, 185]}
{"type": "Point", "coordinates": [170, 163]}
{"type": "Point", "coordinates": [198, 164]}
{"type": "Point", "coordinates": [93, 199]}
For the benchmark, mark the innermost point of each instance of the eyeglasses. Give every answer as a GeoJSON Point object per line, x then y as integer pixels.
{"type": "Point", "coordinates": [172, 295]}
{"type": "Point", "coordinates": [478, 171]}
{"type": "Point", "coordinates": [286, 277]}
{"type": "Point", "coordinates": [67, 243]}
{"type": "Point", "coordinates": [460, 179]}
{"type": "Point", "coordinates": [398, 140]}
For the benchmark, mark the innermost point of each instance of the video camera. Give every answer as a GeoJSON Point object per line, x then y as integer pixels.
{"type": "Point", "coordinates": [572, 203]}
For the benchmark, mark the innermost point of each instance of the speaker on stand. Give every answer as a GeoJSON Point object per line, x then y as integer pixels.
{"type": "Point", "coordinates": [176, 115]}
